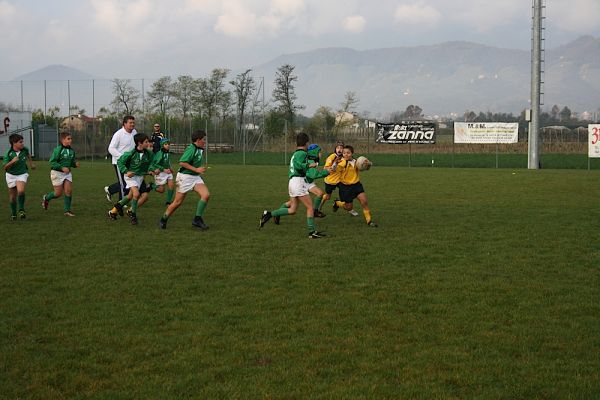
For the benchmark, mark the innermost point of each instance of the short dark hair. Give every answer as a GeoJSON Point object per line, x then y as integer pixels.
{"type": "Point", "coordinates": [349, 148]}
{"type": "Point", "coordinates": [14, 138]}
{"type": "Point", "coordinates": [197, 135]}
{"type": "Point", "coordinates": [302, 139]}
{"type": "Point", "coordinates": [64, 134]}
{"type": "Point", "coordinates": [127, 118]}
{"type": "Point", "coordinates": [139, 138]}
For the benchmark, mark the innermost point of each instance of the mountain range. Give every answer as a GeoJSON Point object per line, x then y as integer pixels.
{"type": "Point", "coordinates": [442, 79]}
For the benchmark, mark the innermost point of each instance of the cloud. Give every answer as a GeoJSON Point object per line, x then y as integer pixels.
{"type": "Point", "coordinates": [287, 7]}
{"type": "Point", "coordinates": [355, 23]}
{"type": "Point", "coordinates": [236, 20]}
{"type": "Point", "coordinates": [205, 7]}
{"type": "Point", "coordinates": [7, 11]}
{"type": "Point", "coordinates": [417, 14]}
{"type": "Point", "coordinates": [486, 16]}
{"type": "Point", "coordinates": [125, 20]}
{"type": "Point", "coordinates": [578, 16]}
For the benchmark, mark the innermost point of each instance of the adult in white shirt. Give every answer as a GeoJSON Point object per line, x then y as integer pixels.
{"type": "Point", "coordinates": [122, 141]}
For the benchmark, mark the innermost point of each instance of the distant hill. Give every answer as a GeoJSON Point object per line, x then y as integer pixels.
{"type": "Point", "coordinates": [446, 78]}
{"type": "Point", "coordinates": [55, 72]}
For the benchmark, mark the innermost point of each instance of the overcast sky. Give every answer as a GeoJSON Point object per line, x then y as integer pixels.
{"type": "Point", "coordinates": [151, 38]}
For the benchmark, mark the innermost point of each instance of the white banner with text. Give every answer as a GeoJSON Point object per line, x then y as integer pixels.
{"type": "Point", "coordinates": [594, 140]}
{"type": "Point", "coordinates": [486, 132]}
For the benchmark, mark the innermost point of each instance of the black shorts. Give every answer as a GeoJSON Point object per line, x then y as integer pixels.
{"type": "Point", "coordinates": [145, 187]}
{"type": "Point", "coordinates": [349, 192]}
{"type": "Point", "coordinates": [330, 188]}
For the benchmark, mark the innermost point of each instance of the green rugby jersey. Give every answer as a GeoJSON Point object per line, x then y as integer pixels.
{"type": "Point", "coordinates": [20, 167]}
{"type": "Point", "coordinates": [193, 156]}
{"type": "Point", "coordinates": [135, 161]}
{"type": "Point", "coordinates": [62, 156]}
{"type": "Point", "coordinates": [161, 161]}
{"type": "Point", "coordinates": [298, 164]}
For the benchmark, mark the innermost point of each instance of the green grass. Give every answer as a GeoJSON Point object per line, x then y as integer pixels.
{"type": "Point", "coordinates": [440, 160]}
{"type": "Point", "coordinates": [479, 283]}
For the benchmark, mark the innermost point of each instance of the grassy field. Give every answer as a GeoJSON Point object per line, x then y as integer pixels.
{"type": "Point", "coordinates": [478, 283]}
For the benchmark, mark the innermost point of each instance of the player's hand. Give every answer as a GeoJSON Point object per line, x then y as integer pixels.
{"type": "Point", "coordinates": [313, 165]}
{"type": "Point", "coordinates": [77, 165]}
{"type": "Point", "coordinates": [201, 170]}
{"type": "Point", "coordinates": [15, 159]}
{"type": "Point", "coordinates": [129, 174]}
{"type": "Point", "coordinates": [156, 171]}
{"type": "Point", "coordinates": [65, 170]}
{"type": "Point", "coordinates": [33, 166]}
{"type": "Point", "coordinates": [167, 171]}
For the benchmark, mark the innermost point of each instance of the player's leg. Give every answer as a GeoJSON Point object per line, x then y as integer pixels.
{"type": "Point", "coordinates": [179, 197]}
{"type": "Point", "coordinates": [319, 193]}
{"type": "Point", "coordinates": [170, 191]}
{"type": "Point", "coordinates": [67, 188]}
{"type": "Point", "coordinates": [364, 203]}
{"type": "Point", "coordinates": [204, 195]}
{"type": "Point", "coordinates": [310, 220]}
{"type": "Point", "coordinates": [21, 198]}
{"type": "Point", "coordinates": [12, 200]}
{"type": "Point", "coordinates": [135, 194]}
{"type": "Point", "coordinates": [184, 185]}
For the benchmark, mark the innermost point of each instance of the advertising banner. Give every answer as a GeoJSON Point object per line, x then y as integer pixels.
{"type": "Point", "coordinates": [594, 140]}
{"type": "Point", "coordinates": [486, 132]}
{"type": "Point", "coordinates": [406, 132]}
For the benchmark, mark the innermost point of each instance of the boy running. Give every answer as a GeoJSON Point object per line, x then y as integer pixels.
{"type": "Point", "coordinates": [134, 165]}
{"type": "Point", "coordinates": [161, 165]}
{"type": "Point", "coordinates": [61, 162]}
{"type": "Point", "coordinates": [351, 188]}
{"type": "Point", "coordinates": [15, 164]}
{"type": "Point", "coordinates": [188, 179]}
{"type": "Point", "coordinates": [297, 188]}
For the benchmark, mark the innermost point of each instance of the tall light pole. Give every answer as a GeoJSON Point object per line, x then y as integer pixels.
{"type": "Point", "coordinates": [533, 161]}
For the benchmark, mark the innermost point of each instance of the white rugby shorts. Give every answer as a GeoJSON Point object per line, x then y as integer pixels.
{"type": "Point", "coordinates": [11, 180]}
{"type": "Point", "coordinates": [186, 182]}
{"type": "Point", "coordinates": [162, 178]}
{"type": "Point", "coordinates": [297, 187]}
{"type": "Point", "coordinates": [58, 177]}
{"type": "Point", "coordinates": [135, 180]}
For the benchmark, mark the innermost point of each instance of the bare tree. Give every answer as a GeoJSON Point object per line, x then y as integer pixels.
{"type": "Point", "coordinates": [350, 102]}
{"type": "Point", "coordinates": [183, 92]}
{"type": "Point", "coordinates": [160, 94]}
{"type": "Point", "coordinates": [212, 91]}
{"type": "Point", "coordinates": [284, 95]}
{"type": "Point", "coordinates": [244, 87]}
{"type": "Point", "coordinates": [125, 95]}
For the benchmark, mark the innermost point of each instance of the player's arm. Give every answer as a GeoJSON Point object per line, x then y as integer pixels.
{"type": "Point", "coordinates": [54, 164]}
{"type": "Point", "coordinates": [123, 161]}
{"type": "Point", "coordinates": [9, 163]}
{"type": "Point", "coordinates": [74, 162]}
{"type": "Point", "coordinates": [156, 162]}
{"type": "Point", "coordinates": [113, 146]}
{"type": "Point", "coordinates": [30, 160]}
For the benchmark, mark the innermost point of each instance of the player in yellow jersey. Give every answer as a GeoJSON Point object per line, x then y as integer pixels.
{"type": "Point", "coordinates": [350, 187]}
{"type": "Point", "coordinates": [333, 179]}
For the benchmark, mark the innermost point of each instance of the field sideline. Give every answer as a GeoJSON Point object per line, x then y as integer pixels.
{"type": "Point", "coordinates": [478, 283]}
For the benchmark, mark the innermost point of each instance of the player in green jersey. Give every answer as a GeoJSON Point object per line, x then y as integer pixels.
{"type": "Point", "coordinates": [188, 179]}
{"type": "Point", "coordinates": [298, 188]}
{"type": "Point", "coordinates": [15, 164]}
{"type": "Point", "coordinates": [134, 165]}
{"type": "Point", "coordinates": [161, 165]}
{"type": "Point", "coordinates": [61, 162]}
{"type": "Point", "coordinates": [314, 155]}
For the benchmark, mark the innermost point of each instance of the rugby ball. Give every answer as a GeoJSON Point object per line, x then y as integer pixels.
{"type": "Point", "coordinates": [363, 163]}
